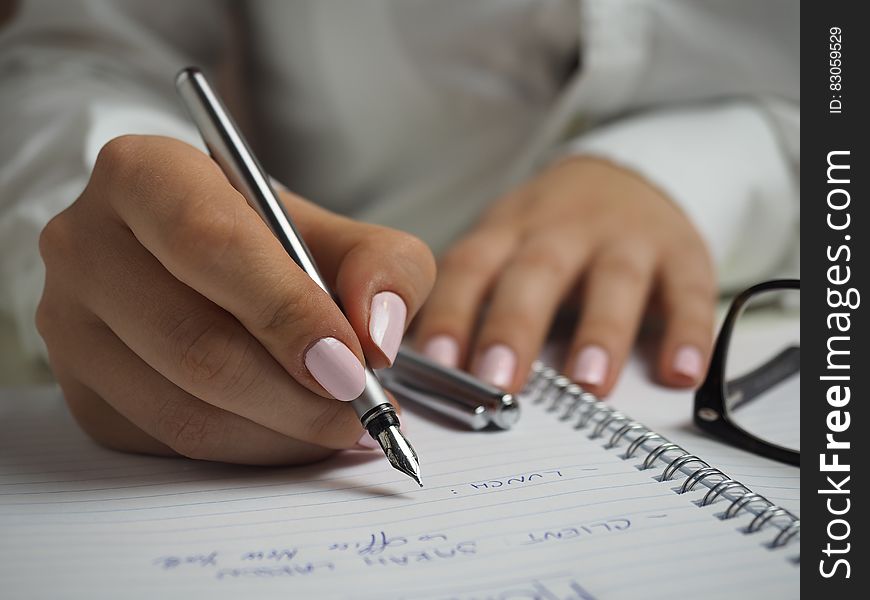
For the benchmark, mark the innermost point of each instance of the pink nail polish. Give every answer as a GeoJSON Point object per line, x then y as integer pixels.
{"type": "Point", "coordinates": [336, 368]}
{"type": "Point", "coordinates": [591, 366]}
{"type": "Point", "coordinates": [688, 362]}
{"type": "Point", "coordinates": [387, 323]}
{"type": "Point", "coordinates": [443, 349]}
{"type": "Point", "coordinates": [367, 442]}
{"type": "Point", "coordinates": [497, 365]}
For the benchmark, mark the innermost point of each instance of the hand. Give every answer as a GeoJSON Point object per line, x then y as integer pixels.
{"type": "Point", "coordinates": [582, 221]}
{"type": "Point", "coordinates": [176, 323]}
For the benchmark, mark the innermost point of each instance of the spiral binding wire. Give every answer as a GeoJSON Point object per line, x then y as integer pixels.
{"type": "Point", "coordinates": [559, 395]}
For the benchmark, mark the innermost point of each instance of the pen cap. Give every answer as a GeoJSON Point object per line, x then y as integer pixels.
{"type": "Point", "coordinates": [422, 374]}
{"type": "Point", "coordinates": [460, 409]}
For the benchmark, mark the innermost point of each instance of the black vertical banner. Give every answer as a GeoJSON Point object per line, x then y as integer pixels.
{"type": "Point", "coordinates": [835, 57]}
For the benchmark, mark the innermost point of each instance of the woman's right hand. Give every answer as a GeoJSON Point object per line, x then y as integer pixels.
{"type": "Point", "coordinates": [177, 324]}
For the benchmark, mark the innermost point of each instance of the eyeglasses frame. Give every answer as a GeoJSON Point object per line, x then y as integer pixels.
{"type": "Point", "coordinates": [710, 411]}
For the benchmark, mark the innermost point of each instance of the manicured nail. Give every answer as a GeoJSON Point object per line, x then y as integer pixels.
{"type": "Point", "coordinates": [367, 442]}
{"type": "Point", "coordinates": [443, 349]}
{"type": "Point", "coordinates": [336, 368]}
{"type": "Point", "coordinates": [591, 366]}
{"type": "Point", "coordinates": [688, 362]}
{"type": "Point", "coordinates": [387, 323]}
{"type": "Point", "coordinates": [497, 365]}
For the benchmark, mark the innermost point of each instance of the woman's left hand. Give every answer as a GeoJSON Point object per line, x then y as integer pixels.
{"type": "Point", "coordinates": [584, 224]}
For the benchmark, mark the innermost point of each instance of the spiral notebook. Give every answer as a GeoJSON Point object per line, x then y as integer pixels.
{"type": "Point", "coordinates": [576, 502]}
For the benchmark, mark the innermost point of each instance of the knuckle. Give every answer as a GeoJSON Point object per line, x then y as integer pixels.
{"type": "Point", "coordinates": [209, 352]}
{"type": "Point", "coordinates": [697, 294]}
{"type": "Point", "coordinates": [333, 424]}
{"type": "Point", "coordinates": [120, 157]}
{"type": "Point", "coordinates": [203, 237]}
{"type": "Point", "coordinates": [689, 254]}
{"type": "Point", "coordinates": [626, 268]}
{"type": "Point", "coordinates": [418, 256]}
{"type": "Point", "coordinates": [56, 240]}
{"type": "Point", "coordinates": [44, 319]}
{"type": "Point", "coordinates": [191, 431]}
{"type": "Point", "coordinates": [474, 256]}
{"type": "Point", "coordinates": [127, 172]}
{"type": "Point", "coordinates": [454, 260]}
{"type": "Point", "coordinates": [242, 374]}
{"type": "Point", "coordinates": [286, 314]}
{"type": "Point", "coordinates": [543, 260]}
{"type": "Point", "coordinates": [53, 245]}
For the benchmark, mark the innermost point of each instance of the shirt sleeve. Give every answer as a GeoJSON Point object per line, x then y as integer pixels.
{"type": "Point", "coordinates": [76, 74]}
{"type": "Point", "coordinates": [702, 98]}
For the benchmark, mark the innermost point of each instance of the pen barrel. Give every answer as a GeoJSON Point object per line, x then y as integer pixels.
{"type": "Point", "coordinates": [230, 150]}
{"type": "Point", "coordinates": [429, 382]}
{"type": "Point", "coordinates": [372, 397]}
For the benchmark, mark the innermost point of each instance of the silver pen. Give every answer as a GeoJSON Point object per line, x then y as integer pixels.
{"type": "Point", "coordinates": [450, 392]}
{"type": "Point", "coordinates": [231, 152]}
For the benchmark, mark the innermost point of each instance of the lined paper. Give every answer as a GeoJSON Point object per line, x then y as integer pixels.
{"type": "Point", "coordinates": [537, 512]}
{"type": "Point", "coordinates": [669, 412]}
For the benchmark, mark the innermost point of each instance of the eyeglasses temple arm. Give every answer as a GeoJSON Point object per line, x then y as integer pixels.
{"type": "Point", "coordinates": [747, 387]}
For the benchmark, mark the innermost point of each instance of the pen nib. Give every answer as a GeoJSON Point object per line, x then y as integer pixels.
{"type": "Point", "coordinates": [400, 453]}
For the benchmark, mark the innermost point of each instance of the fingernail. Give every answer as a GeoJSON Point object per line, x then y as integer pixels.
{"type": "Point", "coordinates": [367, 442]}
{"type": "Point", "coordinates": [497, 365]}
{"type": "Point", "coordinates": [443, 349]}
{"type": "Point", "coordinates": [591, 366]}
{"type": "Point", "coordinates": [387, 323]}
{"type": "Point", "coordinates": [336, 368]}
{"type": "Point", "coordinates": [688, 362]}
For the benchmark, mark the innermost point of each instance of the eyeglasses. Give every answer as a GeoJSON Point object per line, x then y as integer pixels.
{"type": "Point", "coordinates": [751, 395]}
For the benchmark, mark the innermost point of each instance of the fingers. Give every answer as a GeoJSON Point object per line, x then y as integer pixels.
{"type": "Point", "coordinates": [688, 297]}
{"type": "Point", "coordinates": [616, 289]}
{"type": "Point", "coordinates": [206, 352]}
{"type": "Point", "coordinates": [104, 424]}
{"type": "Point", "coordinates": [381, 276]}
{"type": "Point", "coordinates": [466, 274]}
{"type": "Point", "coordinates": [204, 233]}
{"type": "Point", "coordinates": [523, 303]}
{"type": "Point", "coordinates": [182, 336]}
{"type": "Point", "coordinates": [181, 208]}
{"type": "Point", "coordinates": [172, 417]}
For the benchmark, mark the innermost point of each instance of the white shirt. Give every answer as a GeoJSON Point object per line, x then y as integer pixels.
{"type": "Point", "coordinates": [417, 113]}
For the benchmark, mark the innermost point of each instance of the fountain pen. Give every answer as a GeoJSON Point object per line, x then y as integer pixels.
{"type": "Point", "coordinates": [231, 152]}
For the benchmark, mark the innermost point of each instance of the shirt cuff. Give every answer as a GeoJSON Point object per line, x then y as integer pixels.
{"type": "Point", "coordinates": [64, 154]}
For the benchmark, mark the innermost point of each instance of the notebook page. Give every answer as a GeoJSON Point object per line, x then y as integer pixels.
{"type": "Point", "coordinates": [669, 412]}
{"type": "Point", "coordinates": [540, 511]}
